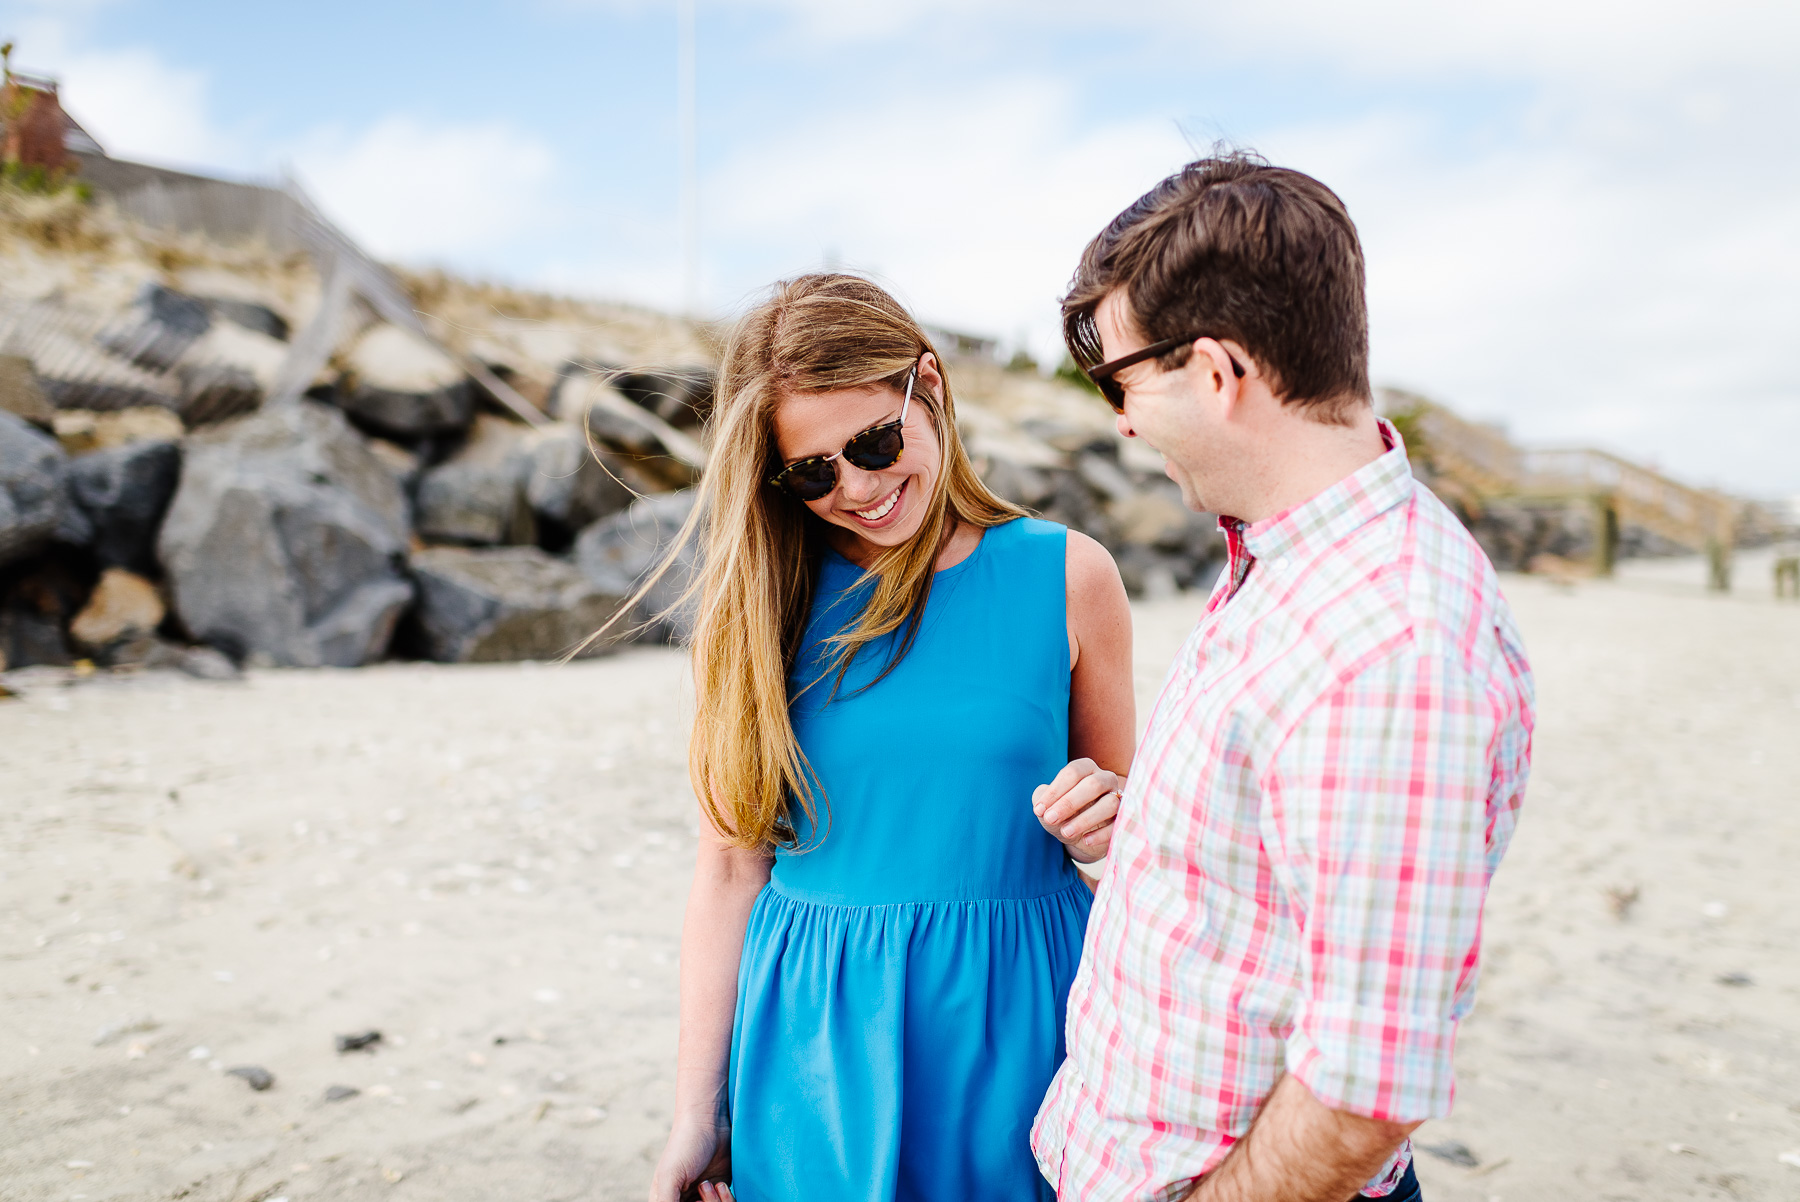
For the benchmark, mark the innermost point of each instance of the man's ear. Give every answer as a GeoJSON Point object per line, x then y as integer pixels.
{"type": "Point", "coordinates": [1212, 362]}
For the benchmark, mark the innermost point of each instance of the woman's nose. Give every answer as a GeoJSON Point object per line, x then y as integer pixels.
{"type": "Point", "coordinates": [857, 486]}
{"type": "Point", "coordinates": [1124, 425]}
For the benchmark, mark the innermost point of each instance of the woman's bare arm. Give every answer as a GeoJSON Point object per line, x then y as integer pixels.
{"type": "Point", "coordinates": [1078, 806]}
{"type": "Point", "coordinates": [726, 882]}
{"type": "Point", "coordinates": [1102, 709]}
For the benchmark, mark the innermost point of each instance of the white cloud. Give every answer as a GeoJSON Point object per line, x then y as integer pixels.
{"type": "Point", "coordinates": [974, 204]}
{"type": "Point", "coordinates": [1611, 262]}
{"type": "Point", "coordinates": [417, 191]}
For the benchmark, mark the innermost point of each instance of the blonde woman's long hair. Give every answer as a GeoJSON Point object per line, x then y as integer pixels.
{"type": "Point", "coordinates": [813, 334]}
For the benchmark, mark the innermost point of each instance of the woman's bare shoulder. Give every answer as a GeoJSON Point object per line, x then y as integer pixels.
{"type": "Point", "coordinates": [1092, 578]}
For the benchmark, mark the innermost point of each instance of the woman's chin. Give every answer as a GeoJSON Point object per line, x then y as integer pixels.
{"type": "Point", "coordinates": [885, 538]}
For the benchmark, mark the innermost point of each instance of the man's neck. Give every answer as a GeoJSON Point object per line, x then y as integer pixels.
{"type": "Point", "coordinates": [1301, 458]}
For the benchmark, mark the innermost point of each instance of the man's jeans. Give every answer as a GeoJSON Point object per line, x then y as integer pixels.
{"type": "Point", "coordinates": [1407, 1190]}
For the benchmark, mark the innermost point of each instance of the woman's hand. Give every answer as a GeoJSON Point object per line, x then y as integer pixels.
{"type": "Point", "coordinates": [1078, 808]}
{"type": "Point", "coordinates": [695, 1164]}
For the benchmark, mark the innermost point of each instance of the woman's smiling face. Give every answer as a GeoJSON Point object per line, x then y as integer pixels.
{"type": "Point", "coordinates": [868, 512]}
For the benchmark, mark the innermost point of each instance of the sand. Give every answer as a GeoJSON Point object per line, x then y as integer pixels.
{"type": "Point", "coordinates": [487, 864]}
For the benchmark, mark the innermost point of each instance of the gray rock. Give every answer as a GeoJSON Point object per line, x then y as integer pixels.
{"type": "Point", "coordinates": [257, 1077]}
{"type": "Point", "coordinates": [124, 493]}
{"type": "Point", "coordinates": [162, 325]}
{"type": "Point", "coordinates": [506, 603]}
{"type": "Point", "coordinates": [657, 450]}
{"type": "Point", "coordinates": [619, 553]}
{"type": "Point", "coordinates": [405, 464]}
{"type": "Point", "coordinates": [214, 391]}
{"type": "Point", "coordinates": [339, 1093]}
{"type": "Point", "coordinates": [74, 528]}
{"type": "Point", "coordinates": [39, 598]}
{"type": "Point", "coordinates": [32, 492]}
{"type": "Point", "coordinates": [681, 397]}
{"type": "Point", "coordinates": [478, 497]}
{"type": "Point", "coordinates": [1104, 475]}
{"type": "Point", "coordinates": [28, 638]}
{"type": "Point", "coordinates": [250, 315]}
{"type": "Point", "coordinates": [1073, 503]}
{"type": "Point", "coordinates": [401, 386]}
{"type": "Point", "coordinates": [574, 485]}
{"type": "Point", "coordinates": [359, 1042]}
{"type": "Point", "coordinates": [1017, 482]}
{"type": "Point", "coordinates": [285, 539]}
{"type": "Point", "coordinates": [1149, 574]}
{"type": "Point", "coordinates": [207, 663]}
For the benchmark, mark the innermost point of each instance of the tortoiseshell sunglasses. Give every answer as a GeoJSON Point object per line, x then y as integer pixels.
{"type": "Point", "coordinates": [876, 448]}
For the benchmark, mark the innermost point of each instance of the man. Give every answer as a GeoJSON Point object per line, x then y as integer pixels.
{"type": "Point", "coordinates": [1286, 935]}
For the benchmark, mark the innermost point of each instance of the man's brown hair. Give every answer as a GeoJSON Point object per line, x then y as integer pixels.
{"type": "Point", "coordinates": [1231, 247]}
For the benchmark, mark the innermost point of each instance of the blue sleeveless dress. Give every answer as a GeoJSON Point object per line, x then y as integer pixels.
{"type": "Point", "coordinates": [902, 990]}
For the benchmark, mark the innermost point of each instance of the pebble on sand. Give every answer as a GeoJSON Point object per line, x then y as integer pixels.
{"type": "Point", "coordinates": [358, 1041]}
{"type": "Point", "coordinates": [258, 1078]}
{"type": "Point", "coordinates": [337, 1093]}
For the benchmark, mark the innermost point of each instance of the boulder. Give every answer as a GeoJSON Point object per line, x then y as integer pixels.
{"type": "Point", "coordinates": [1071, 502]}
{"type": "Point", "coordinates": [162, 325]}
{"type": "Point", "coordinates": [619, 553]}
{"type": "Point", "coordinates": [478, 496]}
{"type": "Point", "coordinates": [506, 603]}
{"type": "Point", "coordinates": [28, 638]}
{"type": "Point", "coordinates": [212, 392]}
{"type": "Point", "coordinates": [285, 540]}
{"type": "Point", "coordinates": [1148, 574]}
{"type": "Point", "coordinates": [571, 484]}
{"type": "Point", "coordinates": [682, 397]}
{"type": "Point", "coordinates": [405, 464]}
{"type": "Point", "coordinates": [250, 315]}
{"type": "Point", "coordinates": [124, 493]}
{"type": "Point", "coordinates": [228, 371]}
{"type": "Point", "coordinates": [37, 600]}
{"type": "Point", "coordinates": [639, 435]}
{"type": "Point", "coordinates": [32, 492]}
{"type": "Point", "coordinates": [119, 618]}
{"type": "Point", "coordinates": [20, 393]}
{"type": "Point", "coordinates": [401, 386]}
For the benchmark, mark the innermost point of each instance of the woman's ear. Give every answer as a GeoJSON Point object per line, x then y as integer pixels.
{"type": "Point", "coordinates": [931, 378]}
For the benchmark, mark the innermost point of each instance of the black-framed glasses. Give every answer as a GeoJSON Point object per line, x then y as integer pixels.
{"type": "Point", "coordinates": [876, 448]}
{"type": "Point", "coordinates": [1102, 373]}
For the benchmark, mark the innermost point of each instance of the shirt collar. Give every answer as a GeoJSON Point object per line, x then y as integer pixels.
{"type": "Point", "coordinates": [1315, 524]}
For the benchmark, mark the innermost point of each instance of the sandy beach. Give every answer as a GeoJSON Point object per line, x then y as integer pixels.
{"type": "Point", "coordinates": [487, 865]}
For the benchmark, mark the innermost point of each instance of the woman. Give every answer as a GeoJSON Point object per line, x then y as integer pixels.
{"type": "Point", "coordinates": [888, 659]}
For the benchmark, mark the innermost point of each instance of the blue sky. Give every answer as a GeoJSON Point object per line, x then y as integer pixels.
{"type": "Point", "coordinates": [1578, 216]}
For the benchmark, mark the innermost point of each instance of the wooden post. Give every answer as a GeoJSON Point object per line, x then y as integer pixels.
{"type": "Point", "coordinates": [1787, 575]}
{"type": "Point", "coordinates": [1606, 533]}
{"type": "Point", "coordinates": [1718, 565]}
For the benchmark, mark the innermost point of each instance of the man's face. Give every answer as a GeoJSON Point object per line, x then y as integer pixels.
{"type": "Point", "coordinates": [1167, 409]}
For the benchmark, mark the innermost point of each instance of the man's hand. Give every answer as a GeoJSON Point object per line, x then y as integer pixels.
{"type": "Point", "coordinates": [1078, 808]}
{"type": "Point", "coordinates": [1301, 1150]}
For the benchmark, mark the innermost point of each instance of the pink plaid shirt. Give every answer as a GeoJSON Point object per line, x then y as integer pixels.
{"type": "Point", "coordinates": [1329, 779]}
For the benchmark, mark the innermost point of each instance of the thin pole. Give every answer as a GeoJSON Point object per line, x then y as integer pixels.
{"type": "Point", "coordinates": [690, 181]}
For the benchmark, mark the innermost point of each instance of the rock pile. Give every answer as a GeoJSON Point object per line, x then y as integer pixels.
{"type": "Point", "coordinates": [395, 511]}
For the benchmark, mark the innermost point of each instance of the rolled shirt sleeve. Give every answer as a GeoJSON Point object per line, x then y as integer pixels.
{"type": "Point", "coordinates": [1376, 824]}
